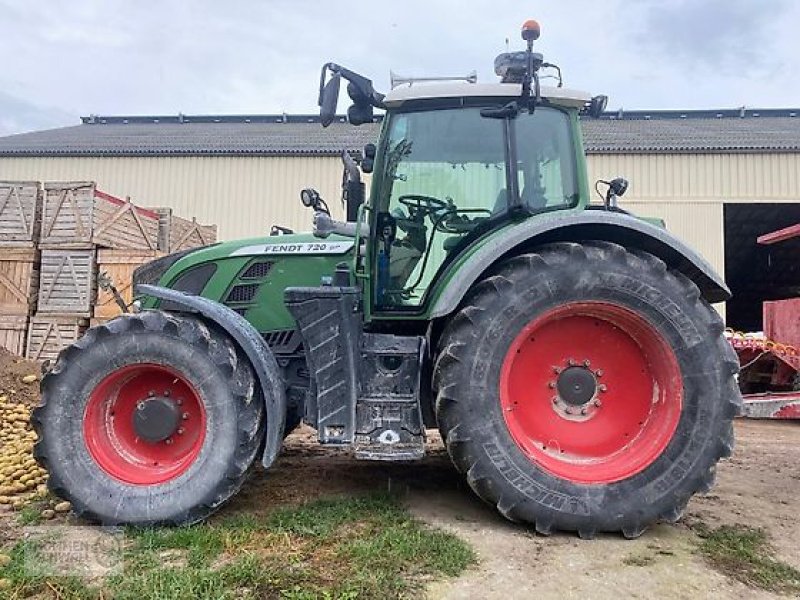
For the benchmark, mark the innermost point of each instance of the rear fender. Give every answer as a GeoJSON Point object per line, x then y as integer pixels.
{"type": "Point", "coordinates": [616, 227]}
{"type": "Point", "coordinates": [251, 343]}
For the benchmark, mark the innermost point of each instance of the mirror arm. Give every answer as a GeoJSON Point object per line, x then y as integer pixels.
{"type": "Point", "coordinates": [363, 84]}
{"type": "Point", "coordinates": [324, 226]}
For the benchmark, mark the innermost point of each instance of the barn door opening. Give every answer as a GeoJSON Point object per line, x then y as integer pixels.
{"type": "Point", "coordinates": [756, 273]}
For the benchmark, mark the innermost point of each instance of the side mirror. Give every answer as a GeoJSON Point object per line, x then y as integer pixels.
{"type": "Point", "coordinates": [597, 106]}
{"type": "Point", "coordinates": [368, 162]}
{"type": "Point", "coordinates": [328, 98]}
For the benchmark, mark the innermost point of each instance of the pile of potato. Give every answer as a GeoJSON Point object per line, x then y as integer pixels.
{"type": "Point", "coordinates": [21, 478]}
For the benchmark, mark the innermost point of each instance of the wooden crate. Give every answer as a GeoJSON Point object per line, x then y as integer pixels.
{"type": "Point", "coordinates": [119, 265]}
{"type": "Point", "coordinates": [19, 280]}
{"type": "Point", "coordinates": [12, 333]}
{"type": "Point", "coordinates": [67, 282]}
{"type": "Point", "coordinates": [48, 335]}
{"type": "Point", "coordinates": [177, 233]}
{"type": "Point", "coordinates": [77, 214]}
{"type": "Point", "coordinates": [20, 212]}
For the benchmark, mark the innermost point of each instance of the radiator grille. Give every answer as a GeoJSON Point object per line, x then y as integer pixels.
{"type": "Point", "coordinates": [242, 293]}
{"type": "Point", "coordinates": [257, 270]}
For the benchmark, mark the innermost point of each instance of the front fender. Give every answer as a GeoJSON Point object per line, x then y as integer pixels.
{"type": "Point", "coordinates": [254, 347]}
{"type": "Point", "coordinates": [620, 228]}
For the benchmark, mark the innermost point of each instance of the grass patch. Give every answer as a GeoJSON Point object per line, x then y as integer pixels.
{"type": "Point", "coordinates": [744, 553]}
{"type": "Point", "coordinates": [332, 549]}
{"type": "Point", "coordinates": [30, 515]}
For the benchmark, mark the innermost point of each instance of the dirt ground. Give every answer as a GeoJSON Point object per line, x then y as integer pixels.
{"type": "Point", "coordinates": [759, 486]}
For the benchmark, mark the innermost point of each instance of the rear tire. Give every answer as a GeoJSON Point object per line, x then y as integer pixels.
{"type": "Point", "coordinates": [99, 462]}
{"type": "Point", "coordinates": [610, 444]}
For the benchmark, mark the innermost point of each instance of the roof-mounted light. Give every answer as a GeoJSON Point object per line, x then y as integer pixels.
{"type": "Point", "coordinates": [531, 30]}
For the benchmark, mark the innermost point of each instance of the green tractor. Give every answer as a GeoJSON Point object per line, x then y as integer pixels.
{"type": "Point", "coordinates": [566, 351]}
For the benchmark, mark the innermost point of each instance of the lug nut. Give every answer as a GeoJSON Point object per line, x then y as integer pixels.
{"type": "Point", "coordinates": [140, 406]}
{"type": "Point", "coordinates": [179, 401]}
{"type": "Point", "coordinates": [551, 385]}
{"type": "Point", "coordinates": [151, 393]}
{"type": "Point", "coordinates": [168, 441]}
{"type": "Point", "coordinates": [602, 387]}
{"type": "Point", "coordinates": [567, 411]}
{"type": "Point", "coordinates": [555, 400]}
{"type": "Point", "coordinates": [180, 430]}
{"type": "Point", "coordinates": [599, 372]}
{"type": "Point", "coordinates": [166, 392]}
{"type": "Point", "coordinates": [583, 412]}
{"type": "Point", "coordinates": [571, 362]}
{"type": "Point", "coordinates": [185, 416]}
{"type": "Point", "coordinates": [556, 370]}
{"type": "Point", "coordinates": [586, 363]}
{"type": "Point", "coordinates": [597, 403]}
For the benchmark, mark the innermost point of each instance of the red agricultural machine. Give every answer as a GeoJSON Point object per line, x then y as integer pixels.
{"type": "Point", "coordinates": [770, 363]}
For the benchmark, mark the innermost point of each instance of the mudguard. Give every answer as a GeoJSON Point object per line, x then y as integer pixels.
{"type": "Point", "coordinates": [251, 343]}
{"type": "Point", "coordinates": [617, 227]}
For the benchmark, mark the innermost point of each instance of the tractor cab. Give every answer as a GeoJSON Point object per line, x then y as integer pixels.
{"type": "Point", "coordinates": [447, 173]}
{"type": "Point", "coordinates": [457, 160]}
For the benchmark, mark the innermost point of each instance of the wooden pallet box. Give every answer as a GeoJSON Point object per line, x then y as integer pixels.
{"type": "Point", "coordinates": [119, 266]}
{"type": "Point", "coordinates": [177, 233]}
{"type": "Point", "coordinates": [77, 214]}
{"type": "Point", "coordinates": [67, 282]}
{"type": "Point", "coordinates": [12, 333]}
{"type": "Point", "coordinates": [20, 213]}
{"type": "Point", "coordinates": [19, 280]}
{"type": "Point", "coordinates": [48, 335]}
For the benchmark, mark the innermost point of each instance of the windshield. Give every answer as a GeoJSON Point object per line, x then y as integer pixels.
{"type": "Point", "coordinates": [444, 173]}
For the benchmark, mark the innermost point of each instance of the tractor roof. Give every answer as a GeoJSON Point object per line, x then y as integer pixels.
{"type": "Point", "coordinates": [426, 91]}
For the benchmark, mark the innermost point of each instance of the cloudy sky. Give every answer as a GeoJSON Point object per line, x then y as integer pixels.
{"type": "Point", "coordinates": [62, 60]}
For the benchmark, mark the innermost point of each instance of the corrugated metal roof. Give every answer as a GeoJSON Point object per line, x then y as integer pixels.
{"type": "Point", "coordinates": [281, 135]}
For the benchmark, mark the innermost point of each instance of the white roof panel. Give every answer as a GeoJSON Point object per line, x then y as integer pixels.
{"type": "Point", "coordinates": [424, 91]}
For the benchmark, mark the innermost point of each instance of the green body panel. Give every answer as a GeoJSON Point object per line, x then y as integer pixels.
{"type": "Point", "coordinates": [266, 310]}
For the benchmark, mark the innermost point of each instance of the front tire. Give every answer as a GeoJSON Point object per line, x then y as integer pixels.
{"type": "Point", "coordinates": [587, 388]}
{"type": "Point", "coordinates": [181, 384]}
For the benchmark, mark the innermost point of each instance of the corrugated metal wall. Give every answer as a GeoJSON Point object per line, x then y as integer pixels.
{"type": "Point", "coordinates": [704, 177]}
{"type": "Point", "coordinates": [242, 195]}
{"type": "Point", "coordinates": [688, 190]}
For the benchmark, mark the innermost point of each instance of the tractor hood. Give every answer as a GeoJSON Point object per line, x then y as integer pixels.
{"type": "Point", "coordinates": [222, 272]}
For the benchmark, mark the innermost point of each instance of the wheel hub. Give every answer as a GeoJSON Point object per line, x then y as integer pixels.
{"type": "Point", "coordinates": [576, 386]}
{"type": "Point", "coordinates": [156, 419]}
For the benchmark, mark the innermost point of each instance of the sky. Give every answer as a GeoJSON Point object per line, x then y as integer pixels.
{"type": "Point", "coordinates": [63, 60]}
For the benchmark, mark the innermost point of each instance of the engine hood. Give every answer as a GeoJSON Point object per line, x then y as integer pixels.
{"type": "Point", "coordinates": [298, 244]}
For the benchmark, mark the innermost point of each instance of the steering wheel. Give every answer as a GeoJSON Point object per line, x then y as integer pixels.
{"type": "Point", "coordinates": [419, 203]}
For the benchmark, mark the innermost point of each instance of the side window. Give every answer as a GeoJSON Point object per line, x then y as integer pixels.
{"type": "Point", "coordinates": [546, 159]}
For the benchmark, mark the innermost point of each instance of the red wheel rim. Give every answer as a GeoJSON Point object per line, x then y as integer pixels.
{"type": "Point", "coordinates": [110, 435]}
{"type": "Point", "coordinates": [636, 394]}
